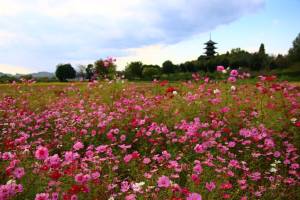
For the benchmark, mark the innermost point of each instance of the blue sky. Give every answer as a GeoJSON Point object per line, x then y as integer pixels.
{"type": "Point", "coordinates": [36, 35]}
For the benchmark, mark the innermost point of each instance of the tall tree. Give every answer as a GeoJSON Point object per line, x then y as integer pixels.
{"type": "Point", "coordinates": [262, 50]}
{"type": "Point", "coordinates": [64, 72]}
{"type": "Point", "coordinates": [168, 67]}
{"type": "Point", "coordinates": [134, 70]}
{"type": "Point", "coordinates": [90, 71]}
{"type": "Point", "coordinates": [81, 70]}
{"type": "Point", "coordinates": [261, 59]}
{"type": "Point", "coordinates": [294, 52]}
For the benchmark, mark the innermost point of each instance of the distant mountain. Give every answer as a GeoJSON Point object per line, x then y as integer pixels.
{"type": "Point", "coordinates": [35, 75]}
{"type": "Point", "coordinates": [42, 74]}
{"type": "Point", "coordinates": [2, 74]}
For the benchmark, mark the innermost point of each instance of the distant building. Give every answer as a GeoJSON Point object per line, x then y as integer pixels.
{"type": "Point", "coordinates": [210, 48]}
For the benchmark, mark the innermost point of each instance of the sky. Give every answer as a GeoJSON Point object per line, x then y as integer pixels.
{"type": "Point", "coordinates": [36, 35]}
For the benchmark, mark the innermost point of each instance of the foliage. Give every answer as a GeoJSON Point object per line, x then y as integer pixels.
{"type": "Point", "coordinates": [90, 70]}
{"type": "Point", "coordinates": [105, 68]}
{"type": "Point", "coordinates": [151, 72]}
{"type": "Point", "coordinates": [168, 67]}
{"type": "Point", "coordinates": [134, 70]}
{"type": "Point", "coordinates": [294, 52]}
{"type": "Point", "coordinates": [64, 72]}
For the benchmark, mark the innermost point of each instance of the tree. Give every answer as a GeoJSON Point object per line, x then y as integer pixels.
{"type": "Point", "coordinates": [260, 60]}
{"type": "Point", "coordinates": [89, 71]}
{"type": "Point", "coordinates": [294, 52]}
{"type": "Point", "coordinates": [134, 70]}
{"type": "Point", "coordinates": [103, 70]}
{"type": "Point", "coordinates": [262, 50]}
{"type": "Point", "coordinates": [151, 72]}
{"type": "Point", "coordinates": [64, 72]}
{"type": "Point", "coordinates": [168, 67]}
{"type": "Point", "coordinates": [81, 70]}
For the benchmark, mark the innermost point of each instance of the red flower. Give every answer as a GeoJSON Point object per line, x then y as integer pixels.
{"type": "Point", "coordinates": [163, 83]}
{"type": "Point", "coordinates": [226, 130]}
{"type": "Point", "coordinates": [55, 175]}
{"type": "Point", "coordinates": [135, 154]}
{"type": "Point", "coordinates": [75, 189]}
{"type": "Point", "coordinates": [170, 90]}
{"type": "Point", "coordinates": [185, 191]}
{"type": "Point", "coordinates": [297, 124]}
{"type": "Point", "coordinates": [271, 78]}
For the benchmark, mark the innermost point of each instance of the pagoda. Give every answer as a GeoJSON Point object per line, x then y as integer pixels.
{"type": "Point", "coordinates": [210, 48]}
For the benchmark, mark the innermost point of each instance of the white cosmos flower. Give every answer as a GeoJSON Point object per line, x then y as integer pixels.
{"type": "Point", "coordinates": [11, 181]}
{"type": "Point", "coordinates": [216, 91]}
{"type": "Point", "coordinates": [137, 186]}
{"type": "Point", "coordinates": [293, 120]}
{"type": "Point", "coordinates": [277, 161]}
{"type": "Point", "coordinates": [273, 170]}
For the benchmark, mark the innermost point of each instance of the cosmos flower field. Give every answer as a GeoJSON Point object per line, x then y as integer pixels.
{"type": "Point", "coordinates": [201, 139]}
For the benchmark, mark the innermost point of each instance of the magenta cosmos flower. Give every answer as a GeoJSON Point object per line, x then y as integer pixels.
{"type": "Point", "coordinates": [78, 145]}
{"type": "Point", "coordinates": [194, 196]}
{"type": "Point", "coordinates": [220, 68]}
{"type": "Point", "coordinates": [210, 186]}
{"type": "Point", "coordinates": [41, 153]}
{"type": "Point", "coordinates": [234, 73]}
{"type": "Point", "coordinates": [163, 182]}
{"type": "Point", "coordinates": [232, 79]}
{"type": "Point", "coordinates": [19, 172]}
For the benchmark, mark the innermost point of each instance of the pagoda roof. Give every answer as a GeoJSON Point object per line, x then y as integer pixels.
{"type": "Point", "coordinates": [211, 47]}
{"type": "Point", "coordinates": [210, 42]}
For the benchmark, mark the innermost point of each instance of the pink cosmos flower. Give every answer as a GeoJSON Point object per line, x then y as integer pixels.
{"type": "Point", "coordinates": [19, 172]}
{"type": "Point", "coordinates": [41, 153]}
{"type": "Point", "coordinates": [198, 169]}
{"type": "Point", "coordinates": [95, 175]}
{"type": "Point", "coordinates": [127, 158]}
{"type": "Point", "coordinates": [194, 196]}
{"type": "Point", "coordinates": [231, 144]}
{"type": "Point", "coordinates": [255, 176]}
{"type": "Point", "coordinates": [163, 182]}
{"type": "Point", "coordinates": [130, 197]}
{"type": "Point", "coordinates": [55, 196]}
{"type": "Point", "coordinates": [277, 154]}
{"type": "Point", "coordinates": [295, 166]}
{"type": "Point", "coordinates": [234, 73]}
{"type": "Point", "coordinates": [146, 160]}
{"type": "Point", "coordinates": [269, 143]}
{"type": "Point", "coordinates": [220, 68]}
{"type": "Point", "coordinates": [231, 79]}
{"type": "Point", "coordinates": [42, 196]}
{"type": "Point", "coordinates": [125, 186]}
{"type": "Point", "coordinates": [74, 197]}
{"type": "Point", "coordinates": [78, 145]}
{"type": "Point", "coordinates": [53, 161]}
{"type": "Point", "coordinates": [70, 156]}
{"type": "Point", "coordinates": [226, 186]}
{"type": "Point", "coordinates": [225, 109]}
{"type": "Point", "coordinates": [79, 178]}
{"type": "Point", "coordinates": [210, 186]}
{"type": "Point", "coordinates": [199, 148]}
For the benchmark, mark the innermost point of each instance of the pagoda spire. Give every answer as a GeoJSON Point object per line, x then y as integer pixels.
{"type": "Point", "coordinates": [210, 48]}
